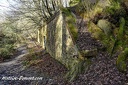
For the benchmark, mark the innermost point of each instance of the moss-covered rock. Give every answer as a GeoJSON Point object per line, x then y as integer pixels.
{"type": "Point", "coordinates": [105, 26]}
{"type": "Point", "coordinates": [98, 34]}
{"type": "Point", "coordinates": [95, 31]}
{"type": "Point", "coordinates": [89, 53]}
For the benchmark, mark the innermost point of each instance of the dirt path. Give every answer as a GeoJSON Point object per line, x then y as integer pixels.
{"type": "Point", "coordinates": [47, 70]}
{"type": "Point", "coordinates": [22, 50]}
{"type": "Point", "coordinates": [15, 68]}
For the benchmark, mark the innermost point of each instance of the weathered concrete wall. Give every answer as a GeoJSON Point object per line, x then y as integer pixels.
{"type": "Point", "coordinates": [58, 41]}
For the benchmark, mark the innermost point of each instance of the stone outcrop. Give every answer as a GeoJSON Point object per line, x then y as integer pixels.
{"type": "Point", "coordinates": [95, 31]}
{"type": "Point", "coordinates": [105, 26]}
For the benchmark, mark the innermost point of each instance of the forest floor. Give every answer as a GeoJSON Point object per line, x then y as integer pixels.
{"type": "Point", "coordinates": [103, 70]}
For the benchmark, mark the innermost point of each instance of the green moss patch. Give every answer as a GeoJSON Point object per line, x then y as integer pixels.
{"type": "Point", "coordinates": [71, 22]}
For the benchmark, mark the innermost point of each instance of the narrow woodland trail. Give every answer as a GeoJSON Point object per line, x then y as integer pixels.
{"type": "Point", "coordinates": [15, 68]}
{"type": "Point", "coordinates": [23, 52]}
{"type": "Point", "coordinates": [103, 70]}
{"type": "Point", "coordinates": [46, 70]}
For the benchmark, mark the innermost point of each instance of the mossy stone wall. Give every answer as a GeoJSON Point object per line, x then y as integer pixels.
{"type": "Point", "coordinates": [58, 41]}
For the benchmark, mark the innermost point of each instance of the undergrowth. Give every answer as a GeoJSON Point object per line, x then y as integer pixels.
{"type": "Point", "coordinates": [33, 57]}
{"type": "Point", "coordinates": [7, 46]}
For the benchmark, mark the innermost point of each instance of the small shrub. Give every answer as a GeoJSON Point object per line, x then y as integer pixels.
{"type": "Point", "coordinates": [5, 54]}
{"type": "Point", "coordinates": [7, 46]}
{"type": "Point", "coordinates": [115, 5]}
{"type": "Point", "coordinates": [121, 60]}
{"type": "Point", "coordinates": [25, 63]}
